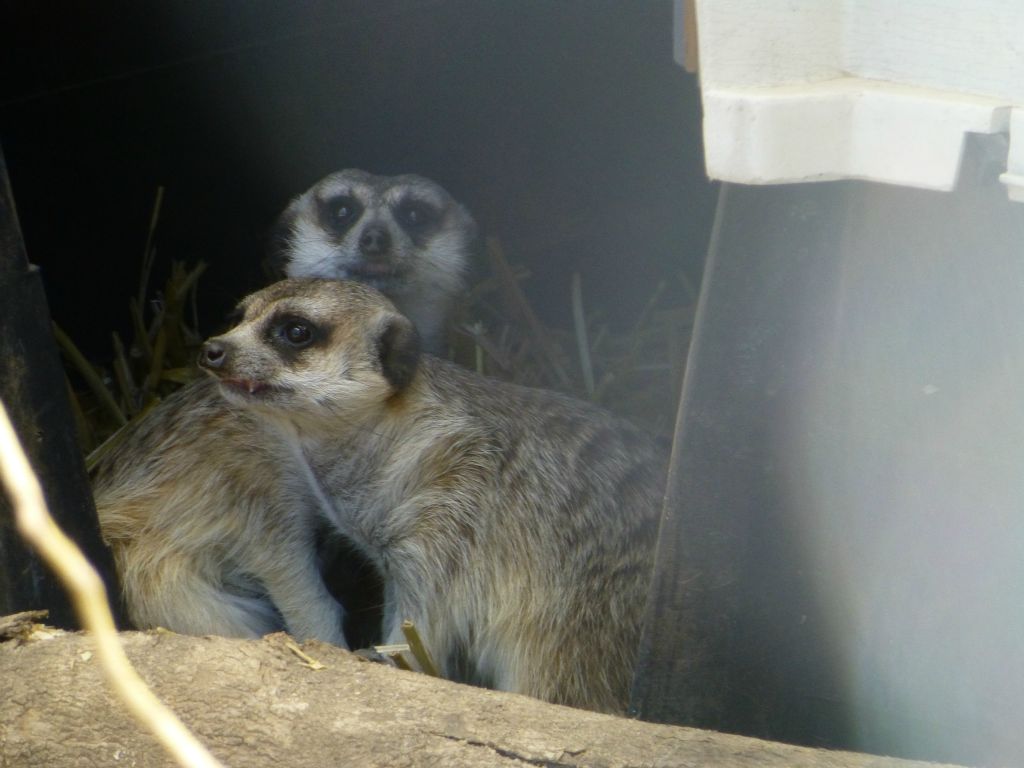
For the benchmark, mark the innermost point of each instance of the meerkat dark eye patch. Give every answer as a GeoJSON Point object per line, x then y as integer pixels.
{"type": "Point", "coordinates": [416, 216]}
{"type": "Point", "coordinates": [292, 333]}
{"type": "Point", "coordinates": [339, 213]}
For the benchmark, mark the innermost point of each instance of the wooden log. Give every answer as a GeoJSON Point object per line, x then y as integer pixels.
{"type": "Point", "coordinates": [258, 703]}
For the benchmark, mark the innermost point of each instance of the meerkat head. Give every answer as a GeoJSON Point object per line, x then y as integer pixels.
{"type": "Point", "coordinates": [403, 235]}
{"type": "Point", "coordinates": [308, 349]}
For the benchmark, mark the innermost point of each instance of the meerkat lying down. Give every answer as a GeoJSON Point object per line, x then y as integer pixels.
{"type": "Point", "coordinates": [514, 527]}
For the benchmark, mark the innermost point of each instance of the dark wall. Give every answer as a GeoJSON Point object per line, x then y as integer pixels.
{"type": "Point", "coordinates": [565, 126]}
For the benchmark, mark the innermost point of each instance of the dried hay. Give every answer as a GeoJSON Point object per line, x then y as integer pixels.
{"type": "Point", "coordinates": [635, 373]}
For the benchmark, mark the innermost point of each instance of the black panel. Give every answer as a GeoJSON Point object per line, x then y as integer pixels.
{"type": "Point", "coordinates": [32, 387]}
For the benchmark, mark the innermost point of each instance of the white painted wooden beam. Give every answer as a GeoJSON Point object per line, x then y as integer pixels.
{"type": "Point", "coordinates": [846, 128]}
{"type": "Point", "coordinates": [805, 90]}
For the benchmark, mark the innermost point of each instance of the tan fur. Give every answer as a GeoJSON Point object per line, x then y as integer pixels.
{"type": "Point", "coordinates": [211, 519]}
{"type": "Point", "coordinates": [515, 527]}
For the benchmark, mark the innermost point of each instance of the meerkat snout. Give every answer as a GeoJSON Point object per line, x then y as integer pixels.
{"type": "Point", "coordinates": [212, 355]}
{"type": "Point", "coordinates": [325, 339]}
{"type": "Point", "coordinates": [374, 242]}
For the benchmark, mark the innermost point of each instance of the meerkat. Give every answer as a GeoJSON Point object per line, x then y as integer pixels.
{"type": "Point", "coordinates": [407, 237]}
{"type": "Point", "coordinates": [186, 481]}
{"type": "Point", "coordinates": [403, 235]}
{"type": "Point", "coordinates": [515, 527]}
{"type": "Point", "coordinates": [210, 514]}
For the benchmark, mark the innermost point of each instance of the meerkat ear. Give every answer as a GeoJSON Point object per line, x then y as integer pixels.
{"type": "Point", "coordinates": [398, 348]}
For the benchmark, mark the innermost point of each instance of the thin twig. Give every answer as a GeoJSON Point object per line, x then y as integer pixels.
{"type": "Point", "coordinates": [645, 313]}
{"type": "Point", "coordinates": [85, 368]}
{"type": "Point", "coordinates": [394, 653]}
{"type": "Point", "coordinates": [123, 376]}
{"type": "Point", "coordinates": [194, 304]}
{"type": "Point", "coordinates": [418, 649]}
{"type": "Point", "coordinates": [83, 427]}
{"type": "Point", "coordinates": [96, 454]}
{"type": "Point", "coordinates": [580, 323]}
{"type": "Point", "coordinates": [149, 255]}
{"type": "Point", "coordinates": [399, 661]}
{"type": "Point", "coordinates": [519, 305]}
{"type": "Point", "coordinates": [628, 363]}
{"type": "Point", "coordinates": [308, 660]}
{"type": "Point", "coordinates": [156, 366]}
{"type": "Point", "coordinates": [89, 597]}
{"type": "Point", "coordinates": [187, 282]}
{"type": "Point", "coordinates": [142, 344]}
{"type": "Point", "coordinates": [119, 435]}
{"type": "Point", "coordinates": [481, 342]}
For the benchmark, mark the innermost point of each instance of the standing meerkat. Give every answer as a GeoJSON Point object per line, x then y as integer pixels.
{"type": "Point", "coordinates": [404, 235]}
{"type": "Point", "coordinates": [181, 495]}
{"type": "Point", "coordinates": [515, 527]}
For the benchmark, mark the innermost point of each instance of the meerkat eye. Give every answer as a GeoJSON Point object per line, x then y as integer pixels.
{"type": "Point", "coordinates": [298, 333]}
{"type": "Point", "coordinates": [341, 211]}
{"type": "Point", "coordinates": [415, 214]}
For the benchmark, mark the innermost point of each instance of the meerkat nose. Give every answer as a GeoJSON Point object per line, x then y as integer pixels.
{"type": "Point", "coordinates": [212, 355]}
{"type": "Point", "coordinates": [375, 240]}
